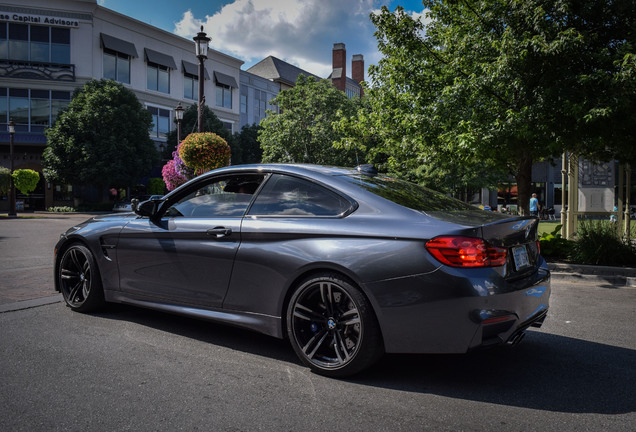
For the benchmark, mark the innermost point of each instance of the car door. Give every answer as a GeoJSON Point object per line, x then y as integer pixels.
{"type": "Point", "coordinates": [292, 223]}
{"type": "Point", "coordinates": [186, 255]}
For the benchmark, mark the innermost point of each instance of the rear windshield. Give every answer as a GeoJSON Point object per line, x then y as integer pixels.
{"type": "Point", "coordinates": [410, 195]}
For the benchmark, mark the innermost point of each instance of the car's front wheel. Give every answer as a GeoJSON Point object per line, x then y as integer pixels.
{"type": "Point", "coordinates": [79, 281]}
{"type": "Point", "coordinates": [332, 327]}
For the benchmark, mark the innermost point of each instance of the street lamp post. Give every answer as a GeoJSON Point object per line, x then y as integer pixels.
{"type": "Point", "coordinates": [201, 47]}
{"type": "Point", "coordinates": [178, 113]}
{"type": "Point", "coordinates": [12, 212]}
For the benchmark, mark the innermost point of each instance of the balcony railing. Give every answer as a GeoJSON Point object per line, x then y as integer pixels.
{"type": "Point", "coordinates": [36, 70]}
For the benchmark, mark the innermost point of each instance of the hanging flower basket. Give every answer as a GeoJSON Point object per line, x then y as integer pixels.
{"type": "Point", "coordinates": [171, 177]}
{"type": "Point", "coordinates": [204, 152]}
{"type": "Point", "coordinates": [180, 167]}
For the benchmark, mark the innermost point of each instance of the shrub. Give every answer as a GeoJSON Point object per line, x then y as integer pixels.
{"type": "Point", "coordinates": [598, 243]}
{"type": "Point", "coordinates": [5, 180]}
{"type": "Point", "coordinates": [61, 209]}
{"type": "Point", "coordinates": [95, 207]}
{"type": "Point", "coordinates": [156, 186]}
{"type": "Point", "coordinates": [553, 245]}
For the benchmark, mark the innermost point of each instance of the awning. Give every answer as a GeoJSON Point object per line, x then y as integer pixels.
{"type": "Point", "coordinates": [159, 58]}
{"type": "Point", "coordinates": [192, 69]}
{"type": "Point", "coordinates": [119, 45]}
{"type": "Point", "coordinates": [225, 79]}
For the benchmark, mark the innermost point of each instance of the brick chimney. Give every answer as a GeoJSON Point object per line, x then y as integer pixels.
{"type": "Point", "coordinates": [357, 70]}
{"type": "Point", "coordinates": [339, 73]}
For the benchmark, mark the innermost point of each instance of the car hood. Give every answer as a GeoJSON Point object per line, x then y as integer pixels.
{"type": "Point", "coordinates": [102, 223]}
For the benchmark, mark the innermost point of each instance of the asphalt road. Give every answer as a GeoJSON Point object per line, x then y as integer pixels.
{"type": "Point", "coordinates": [133, 369]}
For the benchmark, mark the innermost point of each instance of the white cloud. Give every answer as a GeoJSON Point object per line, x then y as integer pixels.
{"type": "Point", "coordinates": [423, 16]}
{"type": "Point", "coordinates": [188, 26]}
{"type": "Point", "coordinates": [301, 32]}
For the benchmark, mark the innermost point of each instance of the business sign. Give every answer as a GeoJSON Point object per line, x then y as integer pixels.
{"type": "Point", "coordinates": [22, 18]}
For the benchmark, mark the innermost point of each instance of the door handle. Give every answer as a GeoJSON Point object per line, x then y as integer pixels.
{"type": "Point", "coordinates": [219, 232]}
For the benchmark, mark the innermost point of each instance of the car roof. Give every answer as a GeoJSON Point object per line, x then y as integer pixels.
{"type": "Point", "coordinates": [290, 168]}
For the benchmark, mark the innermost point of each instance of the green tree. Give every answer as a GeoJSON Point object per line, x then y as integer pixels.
{"type": "Point", "coordinates": [101, 138]}
{"type": "Point", "coordinates": [303, 131]}
{"type": "Point", "coordinates": [5, 180]}
{"type": "Point", "coordinates": [486, 88]}
{"type": "Point", "coordinates": [247, 142]}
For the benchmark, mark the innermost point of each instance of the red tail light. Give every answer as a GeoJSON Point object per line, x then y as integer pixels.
{"type": "Point", "coordinates": [466, 252]}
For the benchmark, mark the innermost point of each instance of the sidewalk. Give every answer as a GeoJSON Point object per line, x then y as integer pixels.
{"type": "Point", "coordinates": [601, 275]}
{"type": "Point", "coordinates": [26, 257]}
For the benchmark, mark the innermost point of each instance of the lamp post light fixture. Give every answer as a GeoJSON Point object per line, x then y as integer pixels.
{"type": "Point", "coordinates": [201, 47]}
{"type": "Point", "coordinates": [12, 212]}
{"type": "Point", "coordinates": [178, 113]}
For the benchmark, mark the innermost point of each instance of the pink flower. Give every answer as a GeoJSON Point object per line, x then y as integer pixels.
{"type": "Point", "coordinates": [171, 177]}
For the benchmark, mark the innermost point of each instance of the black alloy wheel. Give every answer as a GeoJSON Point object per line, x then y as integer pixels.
{"type": "Point", "coordinates": [332, 327]}
{"type": "Point", "coordinates": [79, 280]}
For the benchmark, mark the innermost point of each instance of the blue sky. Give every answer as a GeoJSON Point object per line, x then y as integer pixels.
{"type": "Point", "coordinates": [301, 32]}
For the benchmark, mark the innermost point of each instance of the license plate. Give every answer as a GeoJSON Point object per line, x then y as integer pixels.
{"type": "Point", "coordinates": [520, 255]}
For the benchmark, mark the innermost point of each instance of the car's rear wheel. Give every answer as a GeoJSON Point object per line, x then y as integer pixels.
{"type": "Point", "coordinates": [79, 281]}
{"type": "Point", "coordinates": [332, 327]}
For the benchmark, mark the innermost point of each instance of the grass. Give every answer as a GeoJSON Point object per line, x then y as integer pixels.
{"type": "Point", "coordinates": [549, 226]}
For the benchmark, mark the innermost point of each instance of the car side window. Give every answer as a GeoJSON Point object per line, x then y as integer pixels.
{"type": "Point", "coordinates": [221, 197]}
{"type": "Point", "coordinates": [284, 195]}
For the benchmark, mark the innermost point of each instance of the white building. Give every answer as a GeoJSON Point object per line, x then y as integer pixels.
{"type": "Point", "coordinates": [48, 49]}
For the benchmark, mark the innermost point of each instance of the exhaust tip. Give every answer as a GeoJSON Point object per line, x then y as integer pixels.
{"type": "Point", "coordinates": [516, 339]}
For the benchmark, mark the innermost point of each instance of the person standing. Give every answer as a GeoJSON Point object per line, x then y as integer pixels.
{"type": "Point", "coordinates": [534, 205]}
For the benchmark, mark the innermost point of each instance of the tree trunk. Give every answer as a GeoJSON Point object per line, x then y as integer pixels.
{"type": "Point", "coordinates": [524, 179]}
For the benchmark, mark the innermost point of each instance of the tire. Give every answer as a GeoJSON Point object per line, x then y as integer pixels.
{"type": "Point", "coordinates": [332, 327]}
{"type": "Point", "coordinates": [79, 280]}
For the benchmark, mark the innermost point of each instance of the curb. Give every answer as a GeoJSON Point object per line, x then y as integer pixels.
{"type": "Point", "coordinates": [579, 273]}
{"type": "Point", "coordinates": [28, 304]}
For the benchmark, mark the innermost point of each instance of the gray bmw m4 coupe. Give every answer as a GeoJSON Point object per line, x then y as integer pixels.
{"type": "Point", "coordinates": [345, 263]}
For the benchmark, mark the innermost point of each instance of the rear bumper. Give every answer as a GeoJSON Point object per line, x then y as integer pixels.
{"type": "Point", "coordinates": [509, 331]}
{"type": "Point", "coordinates": [455, 312]}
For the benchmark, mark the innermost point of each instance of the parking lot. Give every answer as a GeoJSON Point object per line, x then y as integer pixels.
{"type": "Point", "coordinates": [133, 369]}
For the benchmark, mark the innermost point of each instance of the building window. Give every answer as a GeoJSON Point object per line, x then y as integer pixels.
{"type": "Point", "coordinates": [19, 108]}
{"type": "Point", "coordinates": [190, 87]}
{"type": "Point", "coordinates": [260, 105]}
{"type": "Point", "coordinates": [40, 44]}
{"type": "Point", "coordinates": [31, 110]}
{"type": "Point", "coordinates": [25, 42]}
{"type": "Point", "coordinates": [60, 45]}
{"type": "Point", "coordinates": [243, 104]}
{"type": "Point", "coordinates": [160, 122]}
{"type": "Point", "coordinates": [116, 66]}
{"type": "Point", "coordinates": [4, 42]}
{"type": "Point", "coordinates": [158, 78]}
{"type": "Point", "coordinates": [59, 101]}
{"type": "Point", "coordinates": [63, 192]}
{"type": "Point", "coordinates": [18, 41]}
{"type": "Point", "coordinates": [40, 110]}
{"type": "Point", "coordinates": [223, 96]}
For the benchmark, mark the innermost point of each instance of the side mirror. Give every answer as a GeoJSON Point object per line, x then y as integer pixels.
{"type": "Point", "coordinates": [145, 208]}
